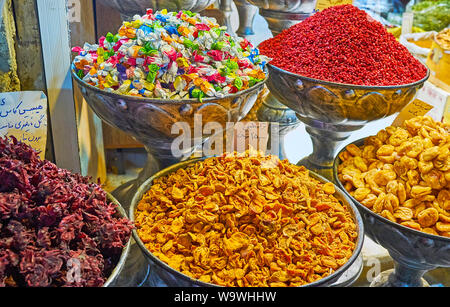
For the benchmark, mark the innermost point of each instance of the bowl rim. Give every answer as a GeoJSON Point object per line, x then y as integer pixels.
{"type": "Point", "coordinates": [126, 249]}
{"type": "Point", "coordinates": [353, 86]}
{"type": "Point", "coordinates": [360, 206]}
{"type": "Point", "coordinates": [138, 99]}
{"type": "Point", "coordinates": [145, 186]}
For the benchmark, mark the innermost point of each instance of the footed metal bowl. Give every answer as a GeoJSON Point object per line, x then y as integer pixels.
{"type": "Point", "coordinates": [414, 252]}
{"type": "Point", "coordinates": [332, 111]}
{"type": "Point", "coordinates": [150, 120]}
{"type": "Point", "coordinates": [168, 276]}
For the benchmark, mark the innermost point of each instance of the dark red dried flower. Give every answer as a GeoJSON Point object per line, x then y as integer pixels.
{"type": "Point", "coordinates": [50, 219]}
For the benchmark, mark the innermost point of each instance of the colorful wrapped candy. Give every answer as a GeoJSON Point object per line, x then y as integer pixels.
{"type": "Point", "coordinates": [171, 55]}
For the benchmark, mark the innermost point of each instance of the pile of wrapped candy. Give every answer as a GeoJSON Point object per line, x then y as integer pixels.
{"type": "Point", "coordinates": [171, 55]}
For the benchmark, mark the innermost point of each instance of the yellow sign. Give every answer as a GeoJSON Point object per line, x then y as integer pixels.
{"type": "Point", "coordinates": [415, 108]}
{"type": "Point", "coordinates": [447, 111]}
{"type": "Point", "coordinates": [323, 4]}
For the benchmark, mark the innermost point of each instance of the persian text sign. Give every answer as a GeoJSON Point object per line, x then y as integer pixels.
{"type": "Point", "coordinates": [24, 116]}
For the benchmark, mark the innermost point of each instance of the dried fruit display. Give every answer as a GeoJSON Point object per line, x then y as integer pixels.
{"type": "Point", "coordinates": [403, 174]}
{"type": "Point", "coordinates": [56, 228]}
{"type": "Point", "coordinates": [246, 220]}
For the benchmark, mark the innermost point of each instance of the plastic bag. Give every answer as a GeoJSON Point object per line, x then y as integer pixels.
{"type": "Point", "coordinates": [419, 52]}
{"type": "Point", "coordinates": [432, 15]}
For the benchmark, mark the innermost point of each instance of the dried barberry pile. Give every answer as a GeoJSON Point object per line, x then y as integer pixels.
{"type": "Point", "coordinates": [56, 228]}
{"type": "Point", "coordinates": [343, 44]}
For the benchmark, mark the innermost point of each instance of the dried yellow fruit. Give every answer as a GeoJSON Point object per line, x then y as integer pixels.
{"type": "Point", "coordinates": [407, 179]}
{"type": "Point", "coordinates": [428, 217]}
{"type": "Point", "coordinates": [246, 221]}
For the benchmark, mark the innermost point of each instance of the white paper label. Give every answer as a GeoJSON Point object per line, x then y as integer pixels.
{"type": "Point", "coordinates": [24, 116]}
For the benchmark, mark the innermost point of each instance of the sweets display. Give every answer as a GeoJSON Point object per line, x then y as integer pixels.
{"type": "Point", "coordinates": [171, 55]}
{"type": "Point", "coordinates": [53, 222]}
{"type": "Point", "coordinates": [246, 220]}
{"type": "Point", "coordinates": [403, 174]}
{"type": "Point", "coordinates": [343, 44]}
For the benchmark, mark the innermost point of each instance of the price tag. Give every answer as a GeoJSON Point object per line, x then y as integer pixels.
{"type": "Point", "coordinates": [415, 108]}
{"type": "Point", "coordinates": [323, 4]}
{"type": "Point", "coordinates": [24, 116]}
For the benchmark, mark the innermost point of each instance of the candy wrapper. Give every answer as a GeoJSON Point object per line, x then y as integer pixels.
{"type": "Point", "coordinates": [171, 55]}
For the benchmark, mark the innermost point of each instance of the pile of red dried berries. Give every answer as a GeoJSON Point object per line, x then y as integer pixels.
{"type": "Point", "coordinates": [343, 44]}
{"type": "Point", "coordinates": [56, 228]}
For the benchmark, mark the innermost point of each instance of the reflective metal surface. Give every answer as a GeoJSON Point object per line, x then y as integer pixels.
{"type": "Point", "coordinates": [332, 111]}
{"type": "Point", "coordinates": [162, 274]}
{"type": "Point", "coordinates": [247, 13]}
{"type": "Point", "coordinates": [129, 8]}
{"type": "Point", "coordinates": [114, 277]}
{"type": "Point", "coordinates": [274, 112]}
{"type": "Point", "coordinates": [281, 14]}
{"type": "Point", "coordinates": [414, 252]}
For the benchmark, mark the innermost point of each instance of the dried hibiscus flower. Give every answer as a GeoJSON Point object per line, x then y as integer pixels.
{"type": "Point", "coordinates": [56, 228]}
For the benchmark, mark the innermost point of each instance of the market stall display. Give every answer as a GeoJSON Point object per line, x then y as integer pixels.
{"type": "Point", "coordinates": [56, 228]}
{"type": "Point", "coordinates": [245, 220]}
{"type": "Point", "coordinates": [399, 179]}
{"type": "Point", "coordinates": [329, 108]}
{"type": "Point", "coordinates": [199, 215]}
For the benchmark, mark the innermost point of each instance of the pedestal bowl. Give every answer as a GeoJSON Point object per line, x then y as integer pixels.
{"type": "Point", "coordinates": [150, 121]}
{"type": "Point", "coordinates": [164, 275]}
{"type": "Point", "coordinates": [332, 111]}
{"type": "Point", "coordinates": [413, 252]}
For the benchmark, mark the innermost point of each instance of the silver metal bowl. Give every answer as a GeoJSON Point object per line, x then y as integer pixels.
{"type": "Point", "coordinates": [332, 111]}
{"type": "Point", "coordinates": [344, 276]}
{"type": "Point", "coordinates": [129, 8]}
{"type": "Point", "coordinates": [414, 252]}
{"type": "Point", "coordinates": [112, 279]}
{"type": "Point", "coordinates": [150, 120]}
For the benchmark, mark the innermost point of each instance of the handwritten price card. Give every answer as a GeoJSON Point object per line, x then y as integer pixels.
{"type": "Point", "coordinates": [415, 108]}
{"type": "Point", "coordinates": [24, 116]}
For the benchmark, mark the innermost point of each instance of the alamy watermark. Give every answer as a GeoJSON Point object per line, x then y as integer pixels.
{"type": "Point", "coordinates": [73, 274]}
{"type": "Point", "coordinates": [74, 10]}
{"type": "Point", "coordinates": [214, 139]}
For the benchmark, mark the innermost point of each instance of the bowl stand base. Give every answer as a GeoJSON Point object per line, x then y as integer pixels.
{"type": "Point", "coordinates": [324, 171]}
{"type": "Point", "coordinates": [382, 280]}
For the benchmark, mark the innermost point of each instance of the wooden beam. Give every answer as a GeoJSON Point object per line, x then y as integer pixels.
{"type": "Point", "coordinates": [30, 65]}
{"type": "Point", "coordinates": [109, 20]}
{"type": "Point", "coordinates": [54, 30]}
{"type": "Point", "coordinates": [90, 132]}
